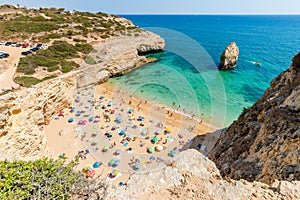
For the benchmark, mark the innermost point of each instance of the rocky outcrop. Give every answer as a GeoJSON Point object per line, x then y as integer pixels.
{"type": "Point", "coordinates": [193, 176]}
{"type": "Point", "coordinates": [119, 55]}
{"type": "Point", "coordinates": [229, 56]}
{"type": "Point", "coordinates": [264, 143]}
{"type": "Point", "coordinates": [24, 113]}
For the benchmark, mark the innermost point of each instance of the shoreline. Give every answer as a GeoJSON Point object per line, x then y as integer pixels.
{"type": "Point", "coordinates": [111, 85]}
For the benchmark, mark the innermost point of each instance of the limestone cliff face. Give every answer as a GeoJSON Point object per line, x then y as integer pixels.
{"type": "Point", "coordinates": [119, 55]}
{"type": "Point", "coordinates": [229, 56]}
{"type": "Point", "coordinates": [193, 176]}
{"type": "Point", "coordinates": [264, 143]}
{"type": "Point", "coordinates": [24, 113]}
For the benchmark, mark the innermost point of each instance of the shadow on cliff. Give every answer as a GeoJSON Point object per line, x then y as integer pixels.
{"type": "Point", "coordinates": [204, 143]}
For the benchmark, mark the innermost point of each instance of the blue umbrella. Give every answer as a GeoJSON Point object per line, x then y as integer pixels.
{"type": "Point", "coordinates": [137, 166]}
{"type": "Point", "coordinates": [152, 158]}
{"type": "Point", "coordinates": [130, 110]}
{"type": "Point", "coordinates": [118, 120]}
{"type": "Point", "coordinates": [143, 133]}
{"type": "Point", "coordinates": [96, 164]}
{"type": "Point", "coordinates": [122, 132]}
{"type": "Point", "coordinates": [91, 119]}
{"type": "Point", "coordinates": [70, 120]}
{"type": "Point", "coordinates": [78, 113]}
{"type": "Point", "coordinates": [116, 163]}
{"type": "Point", "coordinates": [101, 97]}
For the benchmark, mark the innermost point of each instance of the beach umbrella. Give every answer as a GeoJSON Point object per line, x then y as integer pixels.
{"type": "Point", "coordinates": [154, 139]}
{"type": "Point", "coordinates": [159, 148]}
{"type": "Point", "coordinates": [130, 110]}
{"type": "Point", "coordinates": [116, 163]}
{"type": "Point", "coordinates": [115, 173]}
{"type": "Point", "coordinates": [77, 99]}
{"type": "Point", "coordinates": [105, 148]}
{"type": "Point", "coordinates": [95, 142]}
{"type": "Point", "coordinates": [102, 127]}
{"type": "Point", "coordinates": [151, 158]}
{"type": "Point", "coordinates": [118, 151]}
{"type": "Point", "coordinates": [91, 119]}
{"type": "Point", "coordinates": [111, 162]}
{"type": "Point", "coordinates": [137, 166]}
{"type": "Point", "coordinates": [151, 149]}
{"type": "Point", "coordinates": [112, 112]}
{"type": "Point", "coordinates": [143, 133]}
{"type": "Point", "coordinates": [130, 136]}
{"type": "Point", "coordinates": [172, 153]}
{"type": "Point", "coordinates": [118, 120]}
{"type": "Point", "coordinates": [122, 132]}
{"type": "Point", "coordinates": [61, 113]}
{"type": "Point", "coordinates": [110, 103]}
{"type": "Point", "coordinates": [101, 97]}
{"type": "Point", "coordinates": [168, 129]}
{"type": "Point", "coordinates": [180, 135]}
{"type": "Point", "coordinates": [78, 113]}
{"type": "Point", "coordinates": [70, 120]}
{"type": "Point", "coordinates": [157, 132]}
{"type": "Point", "coordinates": [96, 164]}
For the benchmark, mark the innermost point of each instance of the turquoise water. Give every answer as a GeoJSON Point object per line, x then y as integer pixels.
{"type": "Point", "coordinates": [186, 73]}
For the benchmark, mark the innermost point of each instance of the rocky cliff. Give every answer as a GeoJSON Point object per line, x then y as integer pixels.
{"type": "Point", "coordinates": [229, 56]}
{"type": "Point", "coordinates": [24, 112]}
{"type": "Point", "coordinates": [264, 143]}
{"type": "Point", "coordinates": [119, 55]}
{"type": "Point", "coordinates": [193, 176]}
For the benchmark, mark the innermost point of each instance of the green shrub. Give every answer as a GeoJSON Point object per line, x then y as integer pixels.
{"type": "Point", "coordinates": [84, 48]}
{"type": "Point", "coordinates": [67, 66]}
{"type": "Point", "coordinates": [48, 179]}
{"type": "Point", "coordinates": [89, 60]}
{"type": "Point", "coordinates": [26, 81]}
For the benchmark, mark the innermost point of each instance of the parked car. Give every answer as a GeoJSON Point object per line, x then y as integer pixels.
{"type": "Point", "coordinates": [39, 45]}
{"type": "Point", "coordinates": [7, 43]}
{"type": "Point", "coordinates": [2, 43]}
{"type": "Point", "coordinates": [13, 44]}
{"type": "Point", "coordinates": [44, 46]}
{"type": "Point", "coordinates": [3, 55]}
{"type": "Point", "coordinates": [25, 53]}
{"type": "Point", "coordinates": [18, 45]}
{"type": "Point", "coordinates": [25, 45]}
{"type": "Point", "coordinates": [35, 49]}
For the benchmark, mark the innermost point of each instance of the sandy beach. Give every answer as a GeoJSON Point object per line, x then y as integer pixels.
{"type": "Point", "coordinates": [121, 132]}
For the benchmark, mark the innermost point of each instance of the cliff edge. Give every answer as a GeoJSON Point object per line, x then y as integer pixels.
{"type": "Point", "coordinates": [263, 144]}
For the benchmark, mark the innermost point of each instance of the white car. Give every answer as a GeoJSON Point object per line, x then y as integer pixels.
{"type": "Point", "coordinates": [2, 43]}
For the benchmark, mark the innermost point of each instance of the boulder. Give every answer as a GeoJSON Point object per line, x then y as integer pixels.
{"type": "Point", "coordinates": [229, 56]}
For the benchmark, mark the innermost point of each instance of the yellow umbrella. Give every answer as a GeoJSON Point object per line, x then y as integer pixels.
{"type": "Point", "coordinates": [102, 127]}
{"type": "Point", "coordinates": [168, 129]}
{"type": "Point", "coordinates": [159, 148]}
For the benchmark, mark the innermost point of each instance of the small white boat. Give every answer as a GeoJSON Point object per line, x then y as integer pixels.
{"type": "Point", "coordinates": [257, 63]}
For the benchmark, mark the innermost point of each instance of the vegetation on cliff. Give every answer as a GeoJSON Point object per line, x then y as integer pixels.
{"type": "Point", "coordinates": [46, 179]}
{"type": "Point", "coordinates": [70, 35]}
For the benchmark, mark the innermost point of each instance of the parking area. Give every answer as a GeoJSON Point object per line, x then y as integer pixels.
{"type": "Point", "coordinates": [27, 48]}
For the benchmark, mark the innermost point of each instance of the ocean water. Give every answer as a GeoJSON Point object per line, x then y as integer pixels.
{"type": "Point", "coordinates": [186, 77]}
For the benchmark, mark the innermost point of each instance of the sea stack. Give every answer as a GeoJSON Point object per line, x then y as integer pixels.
{"type": "Point", "coordinates": [229, 56]}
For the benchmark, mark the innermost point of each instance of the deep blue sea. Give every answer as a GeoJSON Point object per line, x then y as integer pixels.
{"type": "Point", "coordinates": [186, 77]}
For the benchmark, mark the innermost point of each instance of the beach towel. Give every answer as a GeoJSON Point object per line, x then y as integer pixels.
{"type": "Point", "coordinates": [125, 144]}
